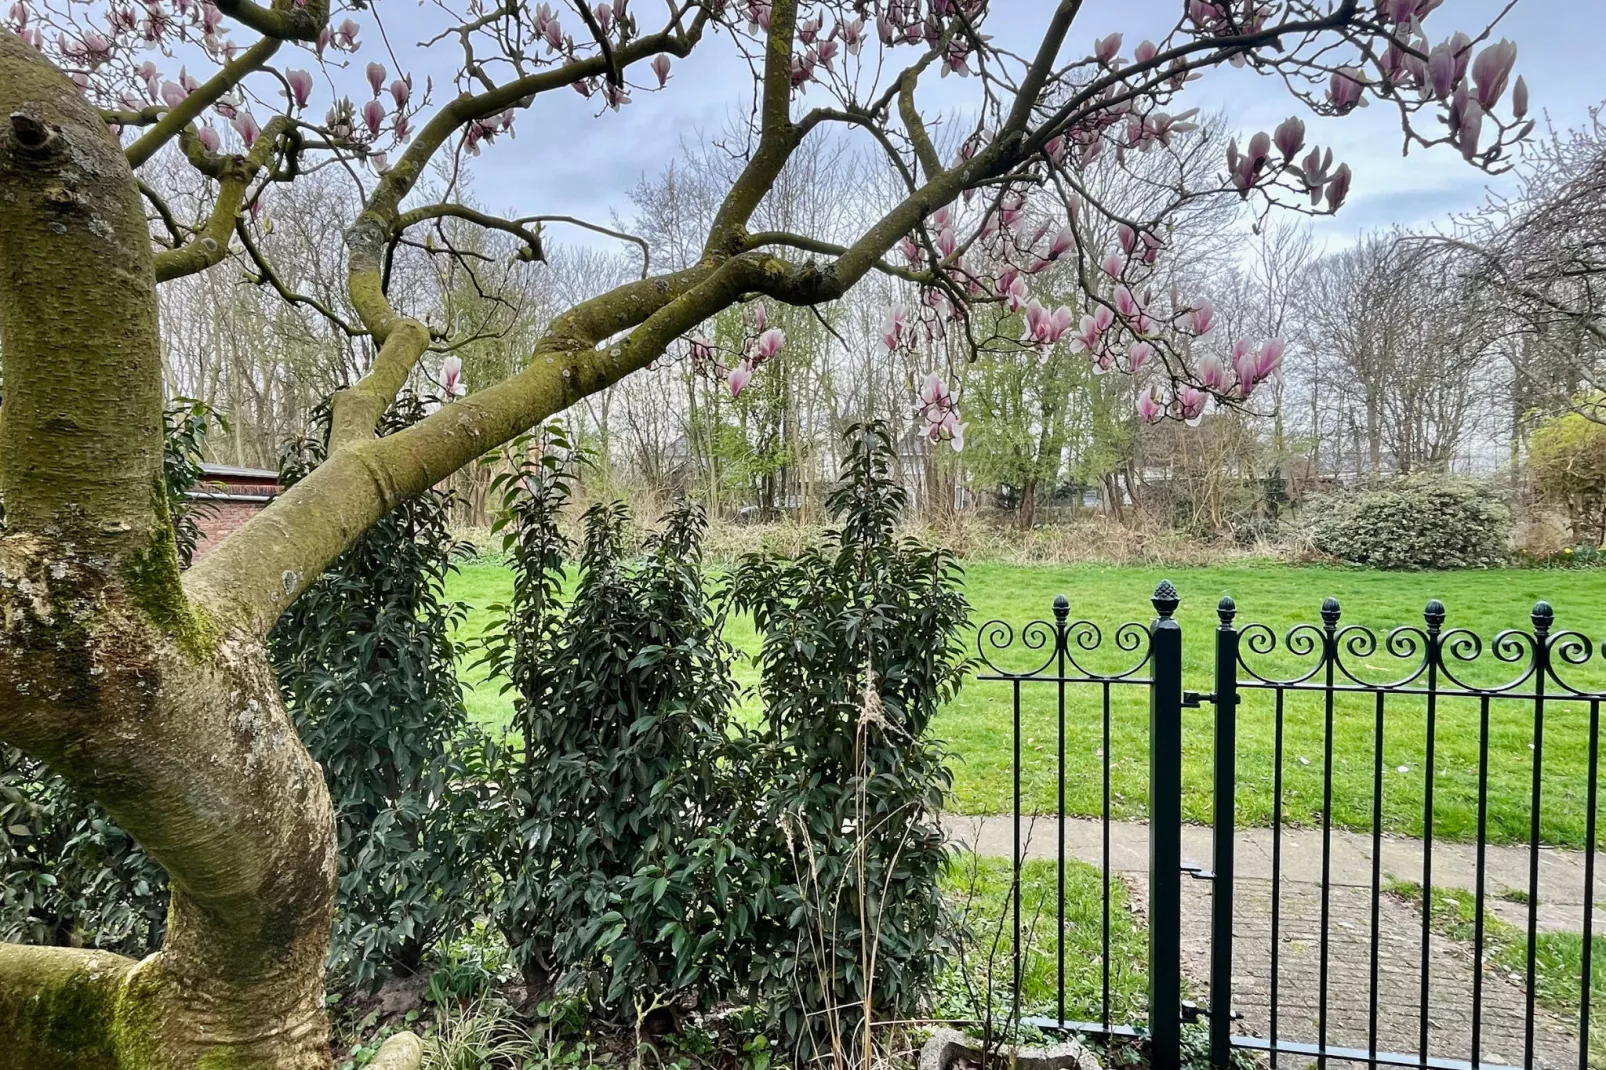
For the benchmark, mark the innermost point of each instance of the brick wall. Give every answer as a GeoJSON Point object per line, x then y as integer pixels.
{"type": "Point", "coordinates": [222, 519]}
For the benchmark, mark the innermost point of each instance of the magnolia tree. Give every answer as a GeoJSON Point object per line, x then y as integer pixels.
{"type": "Point", "coordinates": [149, 690]}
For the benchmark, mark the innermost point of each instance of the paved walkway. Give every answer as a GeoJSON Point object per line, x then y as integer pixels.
{"type": "Point", "coordinates": [1451, 967]}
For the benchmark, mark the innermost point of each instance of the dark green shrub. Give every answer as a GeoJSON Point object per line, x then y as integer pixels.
{"type": "Point", "coordinates": [68, 875]}
{"type": "Point", "coordinates": [624, 831]}
{"type": "Point", "coordinates": [367, 663]}
{"type": "Point", "coordinates": [1415, 523]}
{"type": "Point", "coordinates": [861, 647]}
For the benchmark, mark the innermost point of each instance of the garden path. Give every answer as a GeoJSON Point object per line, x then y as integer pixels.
{"type": "Point", "coordinates": [1451, 970]}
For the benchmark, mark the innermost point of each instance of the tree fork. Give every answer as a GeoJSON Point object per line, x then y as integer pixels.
{"type": "Point", "coordinates": [160, 708]}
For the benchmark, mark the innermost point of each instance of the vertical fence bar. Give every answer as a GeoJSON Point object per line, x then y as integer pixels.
{"type": "Point", "coordinates": [1589, 884]}
{"type": "Point", "coordinates": [1226, 814]}
{"type": "Point", "coordinates": [1543, 616]}
{"type": "Point", "coordinates": [1016, 860]}
{"type": "Point", "coordinates": [1276, 867]}
{"type": "Point", "coordinates": [1479, 878]}
{"type": "Point", "coordinates": [1062, 611]}
{"type": "Point", "coordinates": [1433, 616]}
{"type": "Point", "coordinates": [1165, 833]}
{"type": "Point", "coordinates": [1330, 616]}
{"type": "Point", "coordinates": [1104, 832]}
{"type": "Point", "coordinates": [1377, 874]}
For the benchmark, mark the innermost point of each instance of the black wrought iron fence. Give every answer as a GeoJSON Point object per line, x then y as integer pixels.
{"type": "Point", "coordinates": [1360, 966]}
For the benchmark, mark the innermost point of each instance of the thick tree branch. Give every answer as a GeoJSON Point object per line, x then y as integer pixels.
{"type": "Point", "coordinates": [190, 108]}
{"type": "Point", "coordinates": [57, 1006]}
{"type": "Point", "coordinates": [252, 576]}
{"type": "Point", "coordinates": [287, 21]}
{"type": "Point", "coordinates": [210, 244]}
{"type": "Point", "coordinates": [777, 138]}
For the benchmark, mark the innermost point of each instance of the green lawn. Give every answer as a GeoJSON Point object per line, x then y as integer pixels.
{"type": "Point", "coordinates": [980, 893]}
{"type": "Point", "coordinates": [977, 725]}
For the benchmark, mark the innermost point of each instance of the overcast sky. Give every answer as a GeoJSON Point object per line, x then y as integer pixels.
{"type": "Point", "coordinates": [569, 160]}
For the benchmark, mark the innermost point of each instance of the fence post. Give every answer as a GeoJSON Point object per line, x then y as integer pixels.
{"type": "Point", "coordinates": [1165, 832]}
{"type": "Point", "coordinates": [1226, 822]}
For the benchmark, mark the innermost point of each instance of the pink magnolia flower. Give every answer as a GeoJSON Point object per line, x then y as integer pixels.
{"type": "Point", "coordinates": [769, 343]}
{"type": "Point", "coordinates": [1126, 304]}
{"type": "Point", "coordinates": [852, 35]}
{"type": "Point", "coordinates": [947, 242]}
{"type": "Point", "coordinates": [1269, 359]}
{"type": "Point", "coordinates": [346, 35]}
{"type": "Point", "coordinates": [702, 350]}
{"type": "Point", "coordinates": [209, 138]}
{"type": "Point", "coordinates": [400, 90]}
{"type": "Point", "coordinates": [373, 114]}
{"type": "Point", "coordinates": [660, 67]}
{"type": "Point", "coordinates": [1290, 137]}
{"type": "Point", "coordinates": [1064, 241]}
{"type": "Point", "coordinates": [604, 14]}
{"type": "Point", "coordinates": [1151, 410]}
{"type": "Point", "coordinates": [1200, 319]}
{"type": "Point", "coordinates": [1087, 336]}
{"type": "Point", "coordinates": [761, 317]}
{"type": "Point", "coordinates": [894, 324]}
{"type": "Point", "coordinates": [300, 86]}
{"type": "Point", "coordinates": [1213, 374]}
{"type": "Point", "coordinates": [1107, 49]}
{"type": "Point", "coordinates": [939, 413]}
{"type": "Point", "coordinates": [1113, 265]}
{"type": "Point", "coordinates": [1145, 52]}
{"type": "Point", "coordinates": [1338, 187]}
{"type": "Point", "coordinates": [1490, 71]}
{"type": "Point", "coordinates": [1519, 97]}
{"type": "Point", "coordinates": [739, 377]}
{"type": "Point", "coordinates": [1245, 365]}
{"type": "Point", "coordinates": [1191, 404]}
{"type": "Point", "coordinates": [173, 94]}
{"type": "Point", "coordinates": [376, 77]}
{"type": "Point", "coordinates": [1015, 293]}
{"type": "Point", "coordinates": [1138, 354]}
{"type": "Point", "coordinates": [1345, 89]}
{"type": "Point", "coordinates": [246, 126]}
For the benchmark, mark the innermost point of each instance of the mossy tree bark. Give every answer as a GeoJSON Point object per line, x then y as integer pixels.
{"type": "Point", "coordinates": [150, 701]}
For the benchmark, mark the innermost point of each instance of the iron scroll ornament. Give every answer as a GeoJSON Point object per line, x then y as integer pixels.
{"type": "Point", "coordinates": [1428, 649]}
{"type": "Point", "coordinates": [1062, 638]}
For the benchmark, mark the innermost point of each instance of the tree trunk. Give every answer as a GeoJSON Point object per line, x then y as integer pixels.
{"type": "Point", "coordinates": [157, 706]}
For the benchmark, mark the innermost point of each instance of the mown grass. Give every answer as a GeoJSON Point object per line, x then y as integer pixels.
{"type": "Point", "coordinates": [979, 892]}
{"type": "Point", "coordinates": [978, 724]}
{"type": "Point", "coordinates": [1558, 957]}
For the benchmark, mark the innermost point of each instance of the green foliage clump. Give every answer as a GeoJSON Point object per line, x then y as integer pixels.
{"type": "Point", "coordinates": [367, 663]}
{"type": "Point", "coordinates": [621, 815]}
{"type": "Point", "coordinates": [1567, 458]}
{"type": "Point", "coordinates": [1421, 522]}
{"type": "Point", "coordinates": [68, 875]}
{"type": "Point", "coordinates": [861, 646]}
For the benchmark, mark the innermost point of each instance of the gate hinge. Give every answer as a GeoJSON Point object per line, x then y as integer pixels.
{"type": "Point", "coordinates": [1192, 699]}
{"type": "Point", "coordinates": [1197, 872]}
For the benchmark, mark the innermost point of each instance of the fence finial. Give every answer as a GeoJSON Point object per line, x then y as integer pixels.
{"type": "Point", "coordinates": [1433, 613]}
{"type": "Point", "coordinates": [1166, 599]}
{"type": "Point", "coordinates": [1330, 612]}
{"type": "Point", "coordinates": [1226, 609]}
{"type": "Point", "coordinates": [1062, 608]}
{"type": "Point", "coordinates": [1543, 617]}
